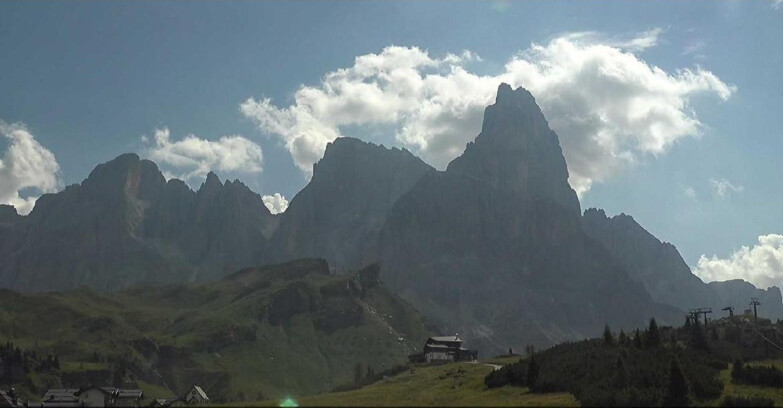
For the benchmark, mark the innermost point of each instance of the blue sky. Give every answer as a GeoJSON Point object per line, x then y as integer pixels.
{"type": "Point", "coordinates": [89, 79]}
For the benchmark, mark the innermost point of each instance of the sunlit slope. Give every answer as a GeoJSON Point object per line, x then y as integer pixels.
{"type": "Point", "coordinates": [257, 334]}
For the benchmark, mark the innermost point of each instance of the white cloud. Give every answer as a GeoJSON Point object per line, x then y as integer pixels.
{"type": "Point", "coordinates": [276, 203]}
{"type": "Point", "coordinates": [722, 186]}
{"type": "Point", "coordinates": [194, 157]}
{"type": "Point", "coordinates": [761, 265]}
{"type": "Point", "coordinates": [690, 192]}
{"type": "Point", "coordinates": [776, 4]}
{"type": "Point", "coordinates": [607, 105]}
{"type": "Point", "coordinates": [26, 164]}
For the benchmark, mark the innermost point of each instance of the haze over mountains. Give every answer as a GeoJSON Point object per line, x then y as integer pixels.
{"type": "Point", "coordinates": [495, 247]}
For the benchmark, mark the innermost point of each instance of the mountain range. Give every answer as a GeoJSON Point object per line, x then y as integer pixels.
{"type": "Point", "coordinates": [495, 247]}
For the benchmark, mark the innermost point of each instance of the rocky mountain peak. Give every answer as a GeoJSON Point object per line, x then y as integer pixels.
{"type": "Point", "coordinates": [126, 176]}
{"type": "Point", "coordinates": [516, 150]}
{"type": "Point", "coordinates": [211, 185]}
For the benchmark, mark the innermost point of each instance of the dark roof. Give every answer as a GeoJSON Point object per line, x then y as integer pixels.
{"type": "Point", "coordinates": [5, 400]}
{"type": "Point", "coordinates": [165, 402]}
{"type": "Point", "coordinates": [119, 392]}
{"type": "Point", "coordinates": [446, 338]}
{"type": "Point", "coordinates": [129, 393]}
{"type": "Point", "coordinates": [201, 392]}
{"type": "Point", "coordinates": [61, 394]}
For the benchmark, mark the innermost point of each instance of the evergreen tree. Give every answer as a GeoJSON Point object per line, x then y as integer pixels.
{"type": "Point", "coordinates": [737, 370]}
{"type": "Point", "coordinates": [370, 373]}
{"type": "Point", "coordinates": [56, 362]}
{"type": "Point", "coordinates": [677, 390]}
{"type": "Point", "coordinates": [532, 371]}
{"type": "Point", "coordinates": [653, 337]}
{"type": "Point", "coordinates": [357, 373]}
{"type": "Point", "coordinates": [714, 334]}
{"type": "Point", "coordinates": [698, 340]}
{"type": "Point", "coordinates": [637, 339]}
{"type": "Point", "coordinates": [620, 378]}
{"type": "Point", "coordinates": [622, 338]}
{"type": "Point", "coordinates": [608, 339]}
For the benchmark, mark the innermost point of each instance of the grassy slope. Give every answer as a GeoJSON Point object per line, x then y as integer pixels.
{"type": "Point", "coordinates": [457, 384]}
{"type": "Point", "coordinates": [736, 390]}
{"type": "Point", "coordinates": [217, 334]}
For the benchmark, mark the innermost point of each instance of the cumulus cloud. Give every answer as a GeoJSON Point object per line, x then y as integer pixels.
{"type": "Point", "coordinates": [26, 164]}
{"type": "Point", "coordinates": [761, 265]}
{"type": "Point", "coordinates": [193, 157]}
{"type": "Point", "coordinates": [722, 187]}
{"type": "Point", "coordinates": [690, 192]}
{"type": "Point", "coordinates": [276, 203]}
{"type": "Point", "coordinates": [607, 104]}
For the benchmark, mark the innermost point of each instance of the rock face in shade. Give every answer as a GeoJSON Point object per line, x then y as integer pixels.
{"type": "Point", "coordinates": [737, 293]}
{"type": "Point", "coordinates": [125, 224]}
{"type": "Point", "coordinates": [660, 267]}
{"type": "Point", "coordinates": [494, 247]}
{"type": "Point", "coordinates": [340, 213]}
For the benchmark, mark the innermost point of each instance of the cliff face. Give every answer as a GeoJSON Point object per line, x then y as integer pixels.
{"type": "Point", "coordinates": [737, 293]}
{"type": "Point", "coordinates": [126, 224]}
{"type": "Point", "coordinates": [493, 247]}
{"type": "Point", "coordinates": [339, 214]}
{"type": "Point", "coordinates": [660, 267]}
{"type": "Point", "coordinates": [655, 264]}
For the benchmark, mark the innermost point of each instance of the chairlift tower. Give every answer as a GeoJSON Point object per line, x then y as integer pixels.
{"type": "Point", "coordinates": [730, 309]}
{"type": "Point", "coordinates": [755, 302]}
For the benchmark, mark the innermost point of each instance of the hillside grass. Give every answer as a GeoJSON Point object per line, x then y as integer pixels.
{"type": "Point", "coordinates": [736, 390]}
{"type": "Point", "coordinates": [455, 384]}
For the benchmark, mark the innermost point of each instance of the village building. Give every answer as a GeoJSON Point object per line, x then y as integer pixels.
{"type": "Point", "coordinates": [61, 397]}
{"type": "Point", "coordinates": [444, 349]}
{"type": "Point", "coordinates": [92, 397]}
{"type": "Point", "coordinates": [9, 399]}
{"type": "Point", "coordinates": [196, 396]}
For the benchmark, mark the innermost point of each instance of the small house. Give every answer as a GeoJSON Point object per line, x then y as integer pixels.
{"type": "Point", "coordinates": [444, 349]}
{"type": "Point", "coordinates": [61, 397]}
{"type": "Point", "coordinates": [196, 396]}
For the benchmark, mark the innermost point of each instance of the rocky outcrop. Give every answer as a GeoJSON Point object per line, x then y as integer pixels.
{"type": "Point", "coordinates": [340, 213]}
{"type": "Point", "coordinates": [493, 248]}
{"type": "Point", "coordinates": [738, 293]}
{"type": "Point", "coordinates": [126, 224]}
{"type": "Point", "coordinates": [660, 267]}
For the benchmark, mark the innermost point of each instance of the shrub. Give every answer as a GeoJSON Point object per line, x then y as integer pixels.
{"type": "Point", "coordinates": [743, 401]}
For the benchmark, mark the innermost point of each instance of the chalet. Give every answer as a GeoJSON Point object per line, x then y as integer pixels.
{"type": "Point", "coordinates": [92, 397]}
{"type": "Point", "coordinates": [196, 396]}
{"type": "Point", "coordinates": [444, 349]}
{"type": "Point", "coordinates": [61, 397]}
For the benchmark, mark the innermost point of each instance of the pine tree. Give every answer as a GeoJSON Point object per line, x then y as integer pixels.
{"type": "Point", "coordinates": [677, 389]}
{"type": "Point", "coordinates": [620, 378]}
{"type": "Point", "coordinates": [653, 337]}
{"type": "Point", "coordinates": [637, 339]}
{"type": "Point", "coordinates": [698, 340]}
{"type": "Point", "coordinates": [737, 370]}
{"type": "Point", "coordinates": [370, 373]}
{"type": "Point", "coordinates": [357, 374]}
{"type": "Point", "coordinates": [608, 339]}
{"type": "Point", "coordinates": [622, 338]}
{"type": "Point", "coordinates": [532, 372]}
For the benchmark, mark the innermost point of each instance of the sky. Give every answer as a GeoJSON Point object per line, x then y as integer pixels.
{"type": "Point", "coordinates": [666, 111]}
